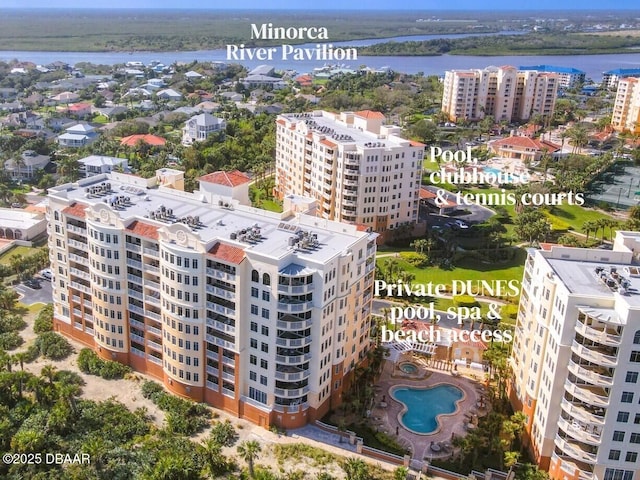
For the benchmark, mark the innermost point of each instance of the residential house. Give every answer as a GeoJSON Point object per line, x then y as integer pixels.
{"type": "Point", "coordinates": [522, 148]}
{"type": "Point", "coordinates": [263, 81]}
{"type": "Point", "coordinates": [191, 75]}
{"type": "Point", "coordinates": [78, 135]}
{"type": "Point", "coordinates": [98, 164]}
{"type": "Point", "coordinates": [66, 97]}
{"type": "Point", "coordinates": [152, 140]}
{"type": "Point", "coordinates": [77, 110]}
{"type": "Point", "coordinates": [169, 94]}
{"type": "Point", "coordinates": [199, 127]}
{"type": "Point", "coordinates": [26, 166]}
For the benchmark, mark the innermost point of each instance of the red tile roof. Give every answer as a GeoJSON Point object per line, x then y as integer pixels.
{"type": "Point", "coordinates": [280, 121]}
{"type": "Point", "coordinates": [152, 140]}
{"type": "Point", "coordinates": [425, 194]}
{"type": "Point", "coordinates": [413, 143]}
{"type": "Point", "coordinates": [143, 229]}
{"type": "Point", "coordinates": [229, 179]}
{"type": "Point", "coordinates": [369, 114]}
{"type": "Point", "coordinates": [227, 253]}
{"type": "Point", "coordinates": [328, 143]}
{"type": "Point", "coordinates": [75, 210]}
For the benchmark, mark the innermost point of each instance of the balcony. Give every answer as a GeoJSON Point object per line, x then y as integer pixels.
{"type": "Point", "coordinates": [294, 325]}
{"type": "Point", "coordinates": [151, 284]}
{"type": "Point", "coordinates": [596, 355]}
{"type": "Point", "coordinates": [220, 342]}
{"type": "Point", "coordinates": [79, 286]}
{"type": "Point", "coordinates": [223, 327]}
{"type": "Point", "coordinates": [135, 309]}
{"type": "Point", "coordinates": [229, 277]}
{"type": "Point", "coordinates": [293, 393]}
{"type": "Point", "coordinates": [134, 278]}
{"type": "Point", "coordinates": [571, 466]}
{"type": "Point", "coordinates": [79, 273]}
{"type": "Point", "coordinates": [595, 396]}
{"type": "Point", "coordinates": [135, 294]}
{"type": "Point", "coordinates": [152, 252]}
{"type": "Point", "coordinates": [154, 345]}
{"type": "Point", "coordinates": [133, 247]}
{"type": "Point", "coordinates": [137, 338]}
{"type": "Point", "coordinates": [154, 359]}
{"type": "Point", "coordinates": [212, 371]}
{"type": "Point", "coordinates": [78, 230]}
{"type": "Point", "coordinates": [598, 335]}
{"type": "Point", "coordinates": [221, 292]}
{"type": "Point", "coordinates": [134, 263]}
{"type": "Point", "coordinates": [292, 376]}
{"type": "Point", "coordinates": [295, 289]}
{"type": "Point", "coordinates": [214, 307]}
{"type": "Point", "coordinates": [136, 323]}
{"type": "Point", "coordinates": [574, 450]}
{"type": "Point", "coordinates": [295, 306]}
{"type": "Point", "coordinates": [212, 386]}
{"type": "Point", "coordinates": [293, 342]}
{"type": "Point", "coordinates": [78, 259]}
{"type": "Point", "coordinates": [293, 359]}
{"type": "Point", "coordinates": [228, 361]}
{"type": "Point", "coordinates": [578, 432]}
{"type": "Point", "coordinates": [589, 374]}
{"type": "Point", "coordinates": [151, 268]}
{"type": "Point", "coordinates": [153, 316]}
{"type": "Point", "coordinates": [154, 330]}
{"type": "Point", "coordinates": [79, 245]}
{"type": "Point", "coordinates": [228, 377]}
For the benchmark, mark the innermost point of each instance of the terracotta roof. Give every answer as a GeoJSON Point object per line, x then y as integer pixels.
{"type": "Point", "coordinates": [229, 179]}
{"type": "Point", "coordinates": [369, 114]}
{"type": "Point", "coordinates": [75, 210]}
{"type": "Point", "coordinates": [521, 142]}
{"type": "Point", "coordinates": [361, 227]}
{"type": "Point", "coordinates": [143, 229]}
{"type": "Point", "coordinates": [280, 121]}
{"type": "Point", "coordinates": [425, 194]}
{"type": "Point", "coordinates": [328, 143]}
{"type": "Point", "coordinates": [227, 253]}
{"type": "Point", "coordinates": [152, 140]}
{"type": "Point", "coordinates": [413, 143]}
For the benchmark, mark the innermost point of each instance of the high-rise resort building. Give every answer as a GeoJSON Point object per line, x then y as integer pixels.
{"type": "Point", "coordinates": [505, 93]}
{"type": "Point", "coordinates": [264, 315]}
{"type": "Point", "coordinates": [358, 169]}
{"type": "Point", "coordinates": [611, 78]}
{"type": "Point", "coordinates": [626, 108]}
{"type": "Point", "coordinates": [576, 359]}
{"type": "Point", "coordinates": [568, 77]}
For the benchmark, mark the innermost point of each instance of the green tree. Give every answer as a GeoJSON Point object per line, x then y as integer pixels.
{"type": "Point", "coordinates": [355, 469]}
{"type": "Point", "coordinates": [249, 451]}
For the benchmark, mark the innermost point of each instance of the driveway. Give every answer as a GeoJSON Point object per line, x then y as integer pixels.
{"type": "Point", "coordinates": [29, 296]}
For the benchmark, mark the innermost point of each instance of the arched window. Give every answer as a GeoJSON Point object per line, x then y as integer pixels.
{"type": "Point", "coordinates": [255, 276]}
{"type": "Point", "coordinates": [266, 279]}
{"type": "Point", "coordinates": [636, 337]}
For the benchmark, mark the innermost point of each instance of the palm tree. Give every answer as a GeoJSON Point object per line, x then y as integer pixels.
{"type": "Point", "coordinates": [588, 227]}
{"type": "Point", "coordinates": [49, 372]}
{"type": "Point", "coordinates": [355, 469]}
{"type": "Point", "coordinates": [248, 451]}
{"type": "Point", "coordinates": [215, 462]}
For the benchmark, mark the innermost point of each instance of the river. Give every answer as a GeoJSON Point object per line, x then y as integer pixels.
{"type": "Point", "coordinates": [593, 65]}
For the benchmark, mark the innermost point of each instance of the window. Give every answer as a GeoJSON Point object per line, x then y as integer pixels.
{"type": "Point", "coordinates": [253, 360]}
{"type": "Point", "coordinates": [264, 364]}
{"type": "Point", "coordinates": [263, 380]}
{"type": "Point", "coordinates": [265, 296]}
{"type": "Point", "coordinates": [635, 438]}
{"type": "Point", "coordinates": [623, 417]}
{"type": "Point", "coordinates": [253, 376]}
{"type": "Point", "coordinates": [265, 313]}
{"type": "Point", "coordinates": [254, 309]}
{"type": "Point", "coordinates": [253, 326]}
{"type": "Point", "coordinates": [264, 330]}
{"type": "Point", "coordinates": [632, 377]}
{"type": "Point", "coordinates": [254, 343]}
{"type": "Point", "coordinates": [616, 474]}
{"type": "Point", "coordinates": [636, 337]}
{"type": "Point", "coordinates": [255, 276]}
{"type": "Point", "coordinates": [636, 419]}
{"type": "Point", "coordinates": [614, 454]}
{"type": "Point", "coordinates": [266, 279]}
{"type": "Point", "coordinates": [631, 457]}
{"type": "Point", "coordinates": [618, 436]}
{"type": "Point", "coordinates": [627, 397]}
{"type": "Point", "coordinates": [264, 347]}
{"type": "Point", "coordinates": [635, 356]}
{"type": "Point", "coordinates": [254, 292]}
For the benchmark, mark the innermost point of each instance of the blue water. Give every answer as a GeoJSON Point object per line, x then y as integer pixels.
{"type": "Point", "coordinates": [424, 405]}
{"type": "Point", "coordinates": [496, 171]}
{"type": "Point", "coordinates": [408, 368]}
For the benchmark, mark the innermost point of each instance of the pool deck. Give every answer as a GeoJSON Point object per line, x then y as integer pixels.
{"type": "Point", "coordinates": [384, 416]}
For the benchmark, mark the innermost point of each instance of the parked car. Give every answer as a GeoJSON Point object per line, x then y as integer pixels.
{"type": "Point", "coordinates": [33, 283]}
{"type": "Point", "coordinates": [47, 274]}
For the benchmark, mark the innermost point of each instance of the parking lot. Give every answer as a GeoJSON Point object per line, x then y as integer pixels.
{"type": "Point", "coordinates": [29, 295]}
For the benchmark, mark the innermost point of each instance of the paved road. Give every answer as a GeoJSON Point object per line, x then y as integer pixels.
{"type": "Point", "coordinates": [29, 296]}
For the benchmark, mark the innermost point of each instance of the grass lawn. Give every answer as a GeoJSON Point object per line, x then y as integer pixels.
{"type": "Point", "coordinates": [5, 258]}
{"type": "Point", "coordinates": [466, 270]}
{"type": "Point", "coordinates": [100, 119]}
{"type": "Point", "coordinates": [271, 205]}
{"type": "Point", "coordinates": [574, 216]}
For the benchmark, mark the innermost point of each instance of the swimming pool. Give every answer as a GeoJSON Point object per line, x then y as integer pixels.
{"type": "Point", "coordinates": [497, 171]}
{"type": "Point", "coordinates": [408, 367]}
{"type": "Point", "coordinates": [422, 406]}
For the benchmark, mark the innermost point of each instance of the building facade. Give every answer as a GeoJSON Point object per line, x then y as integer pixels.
{"type": "Point", "coordinates": [576, 360]}
{"type": "Point", "coordinates": [359, 170]}
{"type": "Point", "coordinates": [611, 78]}
{"type": "Point", "coordinates": [568, 77]}
{"type": "Point", "coordinates": [626, 108]}
{"type": "Point", "coordinates": [263, 315]}
{"type": "Point", "coordinates": [505, 93]}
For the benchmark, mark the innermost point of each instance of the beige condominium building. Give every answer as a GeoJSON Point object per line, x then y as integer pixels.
{"type": "Point", "coordinates": [626, 109]}
{"type": "Point", "coordinates": [576, 359]}
{"type": "Point", "coordinates": [359, 170]}
{"type": "Point", "coordinates": [261, 314]}
{"type": "Point", "coordinates": [505, 93]}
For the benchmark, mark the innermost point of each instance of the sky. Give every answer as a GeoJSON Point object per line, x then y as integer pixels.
{"type": "Point", "coordinates": [422, 5]}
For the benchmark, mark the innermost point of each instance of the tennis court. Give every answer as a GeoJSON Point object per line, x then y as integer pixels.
{"type": "Point", "coordinates": [619, 187]}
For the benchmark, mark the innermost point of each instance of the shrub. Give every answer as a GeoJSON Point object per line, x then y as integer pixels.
{"type": "Point", "coordinates": [509, 311]}
{"type": "Point", "coordinates": [89, 362]}
{"type": "Point", "coordinates": [10, 340]}
{"type": "Point", "coordinates": [11, 323]}
{"type": "Point", "coordinates": [224, 434]}
{"type": "Point", "coordinates": [53, 346]}
{"type": "Point", "coordinates": [44, 320]}
{"type": "Point", "coordinates": [465, 301]}
{"type": "Point", "coordinates": [415, 259]}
